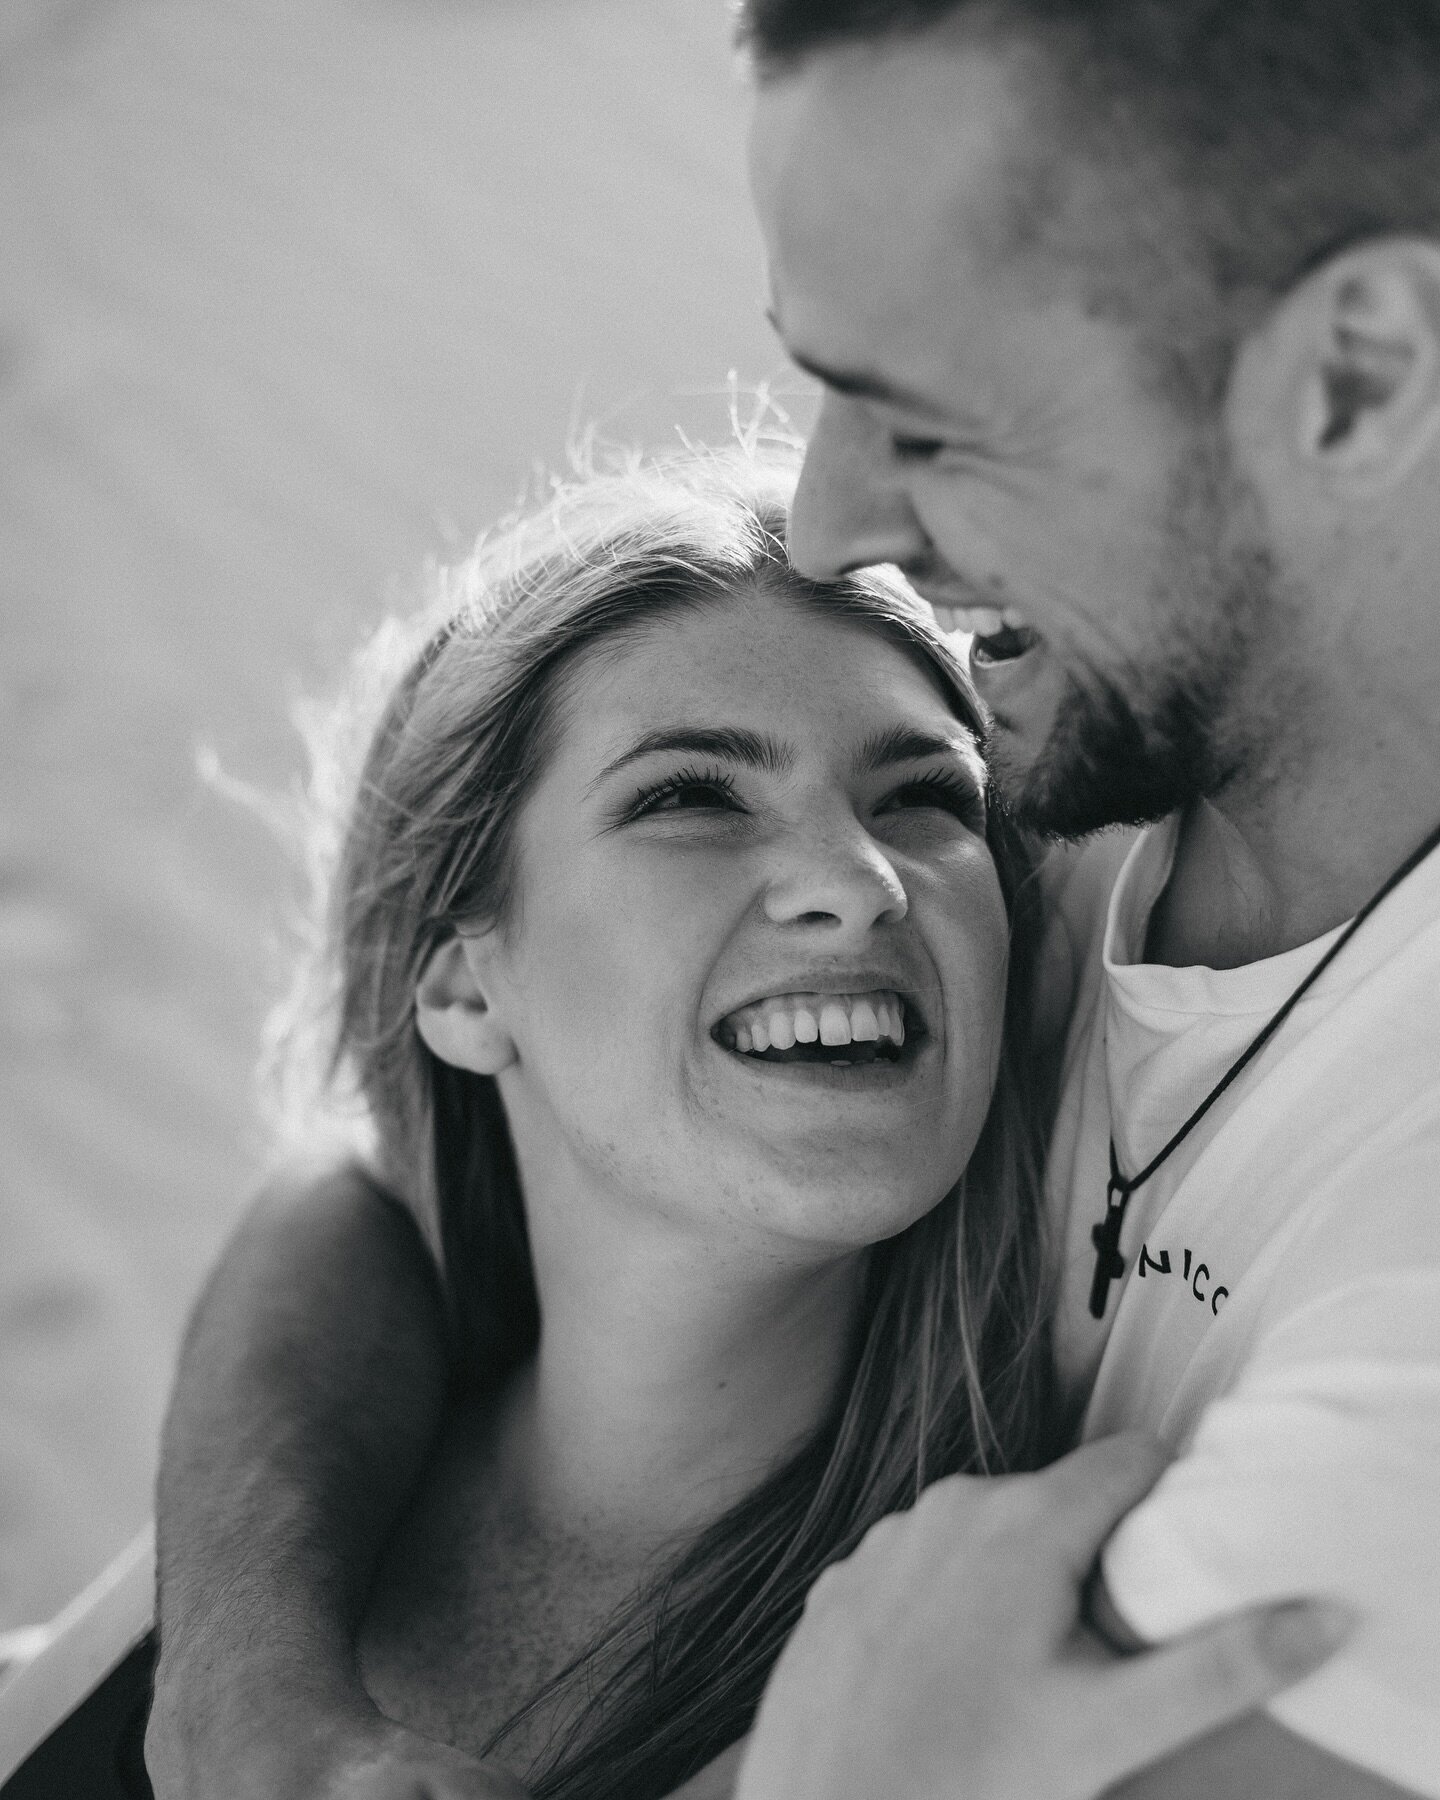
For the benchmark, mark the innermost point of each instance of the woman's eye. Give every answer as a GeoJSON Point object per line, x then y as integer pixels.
{"type": "Point", "coordinates": [688, 793]}
{"type": "Point", "coordinates": [943, 793]}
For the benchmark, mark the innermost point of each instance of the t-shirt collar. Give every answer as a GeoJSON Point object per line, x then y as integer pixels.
{"type": "Point", "coordinates": [1253, 987]}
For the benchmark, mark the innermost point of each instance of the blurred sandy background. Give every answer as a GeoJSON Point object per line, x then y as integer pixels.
{"type": "Point", "coordinates": [292, 294]}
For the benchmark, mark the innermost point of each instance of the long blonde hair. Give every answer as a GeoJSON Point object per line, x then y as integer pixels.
{"type": "Point", "coordinates": [949, 1365]}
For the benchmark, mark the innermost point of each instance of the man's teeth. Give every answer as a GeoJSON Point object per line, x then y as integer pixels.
{"type": "Point", "coordinates": [831, 1019]}
{"type": "Point", "coordinates": [979, 621]}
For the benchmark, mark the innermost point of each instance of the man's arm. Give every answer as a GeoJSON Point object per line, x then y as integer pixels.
{"type": "Point", "coordinates": [309, 1392]}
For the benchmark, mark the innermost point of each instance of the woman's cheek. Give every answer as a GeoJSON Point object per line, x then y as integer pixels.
{"type": "Point", "coordinates": [972, 947]}
{"type": "Point", "coordinates": [634, 965]}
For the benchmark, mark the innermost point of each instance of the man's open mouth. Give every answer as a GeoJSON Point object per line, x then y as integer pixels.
{"type": "Point", "coordinates": [996, 635]}
{"type": "Point", "coordinates": [1003, 645]}
{"type": "Point", "coordinates": [841, 1030]}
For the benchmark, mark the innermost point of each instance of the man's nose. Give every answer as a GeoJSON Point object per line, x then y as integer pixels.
{"type": "Point", "coordinates": [837, 877]}
{"type": "Point", "coordinates": [849, 511]}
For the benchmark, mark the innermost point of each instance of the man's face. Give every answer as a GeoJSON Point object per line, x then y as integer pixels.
{"type": "Point", "coordinates": [991, 430]}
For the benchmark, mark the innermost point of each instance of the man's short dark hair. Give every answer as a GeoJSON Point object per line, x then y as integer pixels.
{"type": "Point", "coordinates": [1272, 133]}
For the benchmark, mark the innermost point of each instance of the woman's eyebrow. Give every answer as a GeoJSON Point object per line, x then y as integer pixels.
{"type": "Point", "coordinates": [759, 750]}
{"type": "Point", "coordinates": [755, 749]}
{"type": "Point", "coordinates": [905, 743]}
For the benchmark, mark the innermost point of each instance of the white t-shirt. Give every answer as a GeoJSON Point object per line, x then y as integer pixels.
{"type": "Point", "coordinates": [1278, 1322]}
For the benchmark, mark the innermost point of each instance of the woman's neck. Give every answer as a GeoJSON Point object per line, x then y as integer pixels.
{"type": "Point", "coordinates": [673, 1374]}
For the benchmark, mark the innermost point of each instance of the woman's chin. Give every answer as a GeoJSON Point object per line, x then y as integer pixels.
{"type": "Point", "coordinates": [853, 1211]}
{"type": "Point", "coordinates": [846, 1190]}
{"type": "Point", "coordinates": [872, 1125]}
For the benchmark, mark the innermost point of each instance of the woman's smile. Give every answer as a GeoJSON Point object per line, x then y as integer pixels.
{"type": "Point", "coordinates": [838, 1028]}
{"type": "Point", "coordinates": [854, 1033]}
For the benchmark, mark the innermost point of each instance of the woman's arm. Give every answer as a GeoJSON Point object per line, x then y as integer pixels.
{"type": "Point", "coordinates": [309, 1392]}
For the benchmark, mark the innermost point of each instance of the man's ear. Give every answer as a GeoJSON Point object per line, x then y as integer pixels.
{"type": "Point", "coordinates": [1364, 337]}
{"type": "Point", "coordinates": [454, 1017]}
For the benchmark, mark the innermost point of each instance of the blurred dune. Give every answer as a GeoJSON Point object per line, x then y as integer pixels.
{"type": "Point", "coordinates": [292, 295]}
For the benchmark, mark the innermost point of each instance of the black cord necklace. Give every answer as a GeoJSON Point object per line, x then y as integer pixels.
{"type": "Point", "coordinates": [1109, 1263]}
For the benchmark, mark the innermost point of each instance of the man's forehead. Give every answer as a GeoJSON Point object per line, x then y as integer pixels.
{"type": "Point", "coordinates": [886, 184]}
{"type": "Point", "coordinates": [909, 141]}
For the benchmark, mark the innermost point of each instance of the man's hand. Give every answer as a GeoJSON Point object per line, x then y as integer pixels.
{"type": "Point", "coordinates": [947, 1657]}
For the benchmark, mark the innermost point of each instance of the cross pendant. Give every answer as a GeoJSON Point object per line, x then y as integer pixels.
{"type": "Point", "coordinates": [1109, 1263]}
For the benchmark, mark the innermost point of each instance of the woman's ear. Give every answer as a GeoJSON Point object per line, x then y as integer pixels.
{"type": "Point", "coordinates": [454, 1016]}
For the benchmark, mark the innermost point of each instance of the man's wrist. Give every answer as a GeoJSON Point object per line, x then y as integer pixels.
{"type": "Point", "coordinates": [260, 1721]}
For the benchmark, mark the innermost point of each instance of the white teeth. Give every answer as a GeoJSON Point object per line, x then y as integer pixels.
{"type": "Point", "coordinates": [834, 1024]}
{"type": "Point", "coordinates": [892, 1021]}
{"type": "Point", "coordinates": [784, 1020]}
{"type": "Point", "coordinates": [782, 1031]}
{"type": "Point", "coordinates": [864, 1022]}
{"type": "Point", "coordinates": [979, 621]}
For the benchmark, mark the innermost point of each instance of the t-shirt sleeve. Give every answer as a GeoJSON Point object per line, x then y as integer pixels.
{"type": "Point", "coordinates": [1318, 1473]}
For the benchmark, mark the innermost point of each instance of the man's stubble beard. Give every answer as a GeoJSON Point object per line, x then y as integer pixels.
{"type": "Point", "coordinates": [1177, 725]}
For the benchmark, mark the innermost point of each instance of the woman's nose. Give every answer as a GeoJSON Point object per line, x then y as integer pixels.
{"type": "Point", "coordinates": [848, 511]}
{"type": "Point", "coordinates": [837, 879]}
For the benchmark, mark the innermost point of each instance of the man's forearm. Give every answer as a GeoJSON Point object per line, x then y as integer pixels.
{"type": "Point", "coordinates": [309, 1391]}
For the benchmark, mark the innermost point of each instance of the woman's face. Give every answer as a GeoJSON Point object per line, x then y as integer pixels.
{"type": "Point", "coordinates": [760, 826]}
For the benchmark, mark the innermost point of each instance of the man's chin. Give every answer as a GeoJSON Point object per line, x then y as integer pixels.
{"type": "Point", "coordinates": [1026, 782]}
{"type": "Point", "coordinates": [1096, 766]}
{"type": "Point", "coordinates": [1062, 812]}
{"type": "Point", "coordinates": [1027, 766]}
